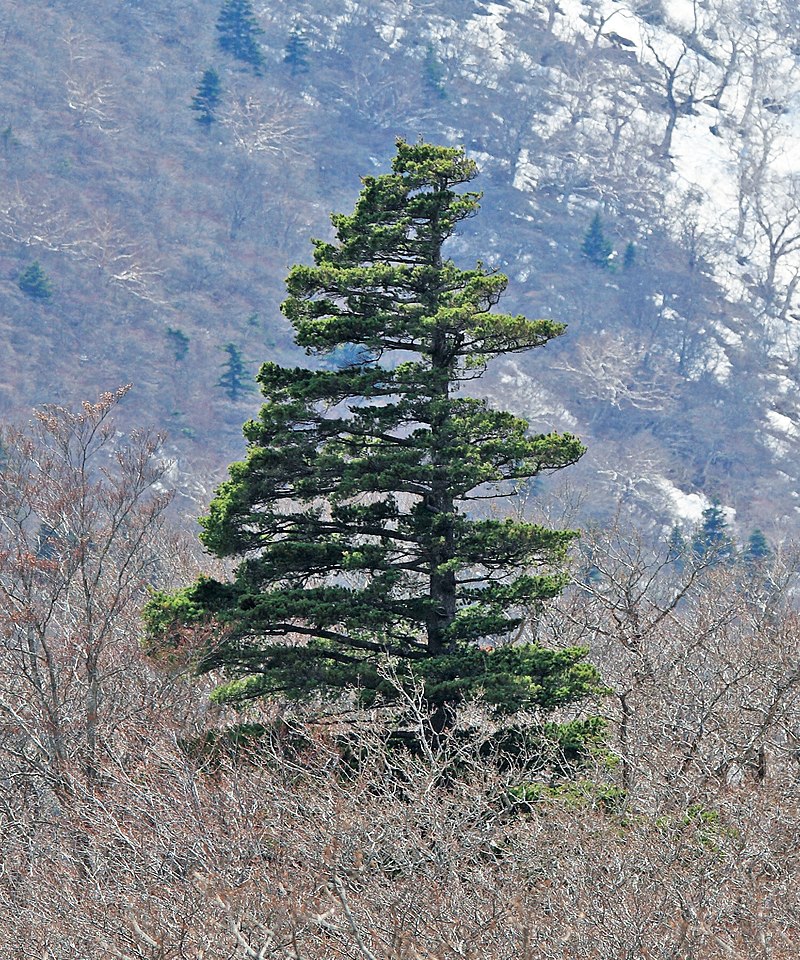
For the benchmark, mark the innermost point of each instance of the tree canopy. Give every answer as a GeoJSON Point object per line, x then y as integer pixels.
{"type": "Point", "coordinates": [238, 33]}
{"type": "Point", "coordinates": [207, 98]}
{"type": "Point", "coordinates": [358, 517]}
{"type": "Point", "coordinates": [596, 248]}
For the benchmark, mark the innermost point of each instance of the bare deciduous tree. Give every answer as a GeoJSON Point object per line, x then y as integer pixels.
{"type": "Point", "coordinates": [81, 511]}
{"type": "Point", "coordinates": [274, 129]}
{"type": "Point", "coordinates": [700, 656]}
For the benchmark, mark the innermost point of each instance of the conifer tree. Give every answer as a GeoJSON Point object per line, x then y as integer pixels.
{"type": "Point", "coordinates": [676, 546]}
{"type": "Point", "coordinates": [296, 52]}
{"type": "Point", "coordinates": [7, 139]}
{"type": "Point", "coordinates": [433, 73]}
{"type": "Point", "coordinates": [179, 342]}
{"type": "Point", "coordinates": [595, 247]}
{"type": "Point", "coordinates": [757, 549]}
{"type": "Point", "coordinates": [207, 98]}
{"type": "Point", "coordinates": [238, 33]}
{"type": "Point", "coordinates": [35, 283]}
{"type": "Point", "coordinates": [356, 516]}
{"type": "Point", "coordinates": [629, 258]}
{"type": "Point", "coordinates": [234, 379]}
{"type": "Point", "coordinates": [712, 542]}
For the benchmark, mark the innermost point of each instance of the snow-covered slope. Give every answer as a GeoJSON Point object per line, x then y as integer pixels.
{"type": "Point", "coordinates": [677, 121]}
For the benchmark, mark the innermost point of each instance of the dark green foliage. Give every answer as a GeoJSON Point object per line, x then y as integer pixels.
{"type": "Point", "coordinates": [590, 573]}
{"type": "Point", "coordinates": [207, 98]}
{"type": "Point", "coordinates": [296, 52]}
{"type": "Point", "coordinates": [356, 516]}
{"type": "Point", "coordinates": [757, 549]}
{"type": "Point", "coordinates": [712, 542]}
{"type": "Point", "coordinates": [676, 545]}
{"type": "Point", "coordinates": [238, 33]}
{"type": "Point", "coordinates": [179, 342]}
{"type": "Point", "coordinates": [433, 73]}
{"type": "Point", "coordinates": [629, 259]}
{"type": "Point", "coordinates": [235, 380]}
{"type": "Point", "coordinates": [595, 247]}
{"type": "Point", "coordinates": [559, 748]}
{"type": "Point", "coordinates": [651, 11]}
{"type": "Point", "coordinates": [7, 139]}
{"type": "Point", "coordinates": [46, 541]}
{"type": "Point", "coordinates": [35, 282]}
{"type": "Point", "coordinates": [253, 743]}
{"type": "Point", "coordinates": [347, 355]}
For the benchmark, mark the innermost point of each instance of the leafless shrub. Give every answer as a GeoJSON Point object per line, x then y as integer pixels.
{"type": "Point", "coordinates": [137, 823]}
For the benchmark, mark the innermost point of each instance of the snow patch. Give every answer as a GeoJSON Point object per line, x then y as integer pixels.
{"type": "Point", "coordinates": [779, 448]}
{"type": "Point", "coordinates": [688, 507]}
{"type": "Point", "coordinates": [782, 384]}
{"type": "Point", "coordinates": [519, 392]}
{"type": "Point", "coordinates": [682, 13]}
{"type": "Point", "coordinates": [782, 423]}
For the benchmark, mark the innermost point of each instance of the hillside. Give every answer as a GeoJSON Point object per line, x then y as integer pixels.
{"type": "Point", "coordinates": [165, 241]}
{"type": "Point", "coordinates": [393, 730]}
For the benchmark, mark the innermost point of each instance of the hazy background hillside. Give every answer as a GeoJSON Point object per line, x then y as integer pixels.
{"type": "Point", "coordinates": [164, 241]}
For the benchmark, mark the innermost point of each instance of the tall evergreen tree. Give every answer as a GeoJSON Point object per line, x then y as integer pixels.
{"type": "Point", "coordinates": [676, 546]}
{"type": "Point", "coordinates": [595, 247]}
{"type": "Point", "coordinates": [433, 73]}
{"type": "Point", "coordinates": [757, 549]}
{"type": "Point", "coordinates": [296, 52]}
{"type": "Point", "coordinates": [712, 542]}
{"type": "Point", "coordinates": [234, 379]}
{"type": "Point", "coordinates": [629, 257]}
{"type": "Point", "coordinates": [356, 515]}
{"type": "Point", "coordinates": [238, 33]}
{"type": "Point", "coordinates": [207, 98]}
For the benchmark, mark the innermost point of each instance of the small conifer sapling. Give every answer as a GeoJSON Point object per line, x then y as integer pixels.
{"type": "Point", "coordinates": [179, 341]}
{"type": "Point", "coordinates": [296, 52]}
{"type": "Point", "coordinates": [629, 258]}
{"type": "Point", "coordinates": [34, 282]}
{"type": "Point", "coordinates": [595, 247]}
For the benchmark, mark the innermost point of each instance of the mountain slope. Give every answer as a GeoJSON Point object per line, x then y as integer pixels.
{"type": "Point", "coordinates": [674, 121]}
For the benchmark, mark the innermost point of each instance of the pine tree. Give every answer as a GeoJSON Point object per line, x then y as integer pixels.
{"type": "Point", "coordinates": [712, 542]}
{"type": "Point", "coordinates": [595, 247]}
{"type": "Point", "coordinates": [629, 258]}
{"type": "Point", "coordinates": [355, 516]}
{"type": "Point", "coordinates": [206, 100]}
{"type": "Point", "coordinates": [296, 52]}
{"type": "Point", "coordinates": [757, 549]}
{"type": "Point", "coordinates": [35, 283]}
{"type": "Point", "coordinates": [433, 73]}
{"type": "Point", "coordinates": [238, 32]}
{"type": "Point", "coordinates": [676, 546]}
{"type": "Point", "coordinates": [7, 139]}
{"type": "Point", "coordinates": [179, 342]}
{"type": "Point", "coordinates": [234, 380]}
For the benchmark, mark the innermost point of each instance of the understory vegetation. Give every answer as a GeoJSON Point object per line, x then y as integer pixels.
{"type": "Point", "coordinates": [141, 821]}
{"type": "Point", "coordinates": [409, 723]}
